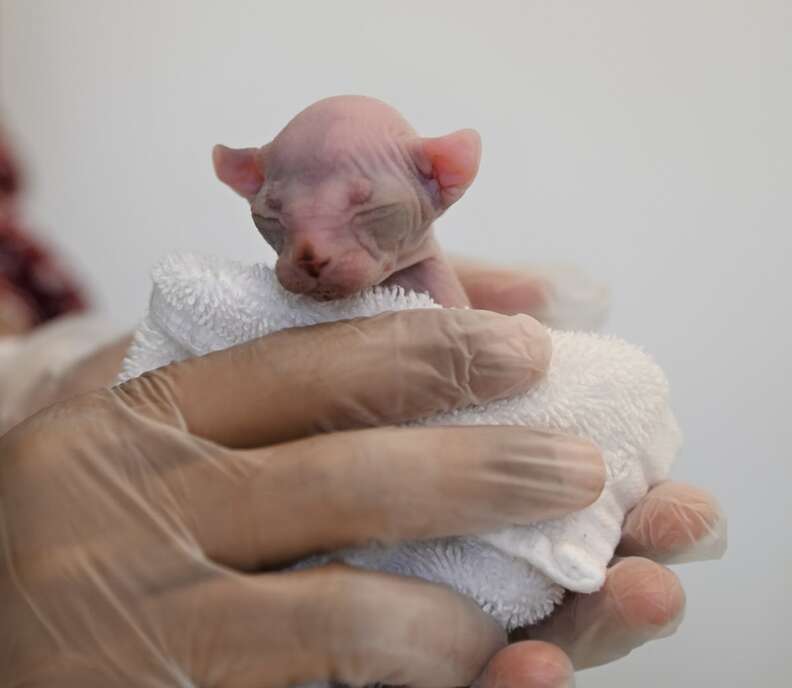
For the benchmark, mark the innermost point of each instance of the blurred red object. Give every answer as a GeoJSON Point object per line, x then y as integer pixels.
{"type": "Point", "coordinates": [34, 287]}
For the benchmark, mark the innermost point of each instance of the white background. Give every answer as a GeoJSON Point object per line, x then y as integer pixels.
{"type": "Point", "coordinates": [648, 142]}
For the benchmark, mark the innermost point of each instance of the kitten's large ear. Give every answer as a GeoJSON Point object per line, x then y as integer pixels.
{"type": "Point", "coordinates": [451, 160]}
{"type": "Point", "coordinates": [243, 169]}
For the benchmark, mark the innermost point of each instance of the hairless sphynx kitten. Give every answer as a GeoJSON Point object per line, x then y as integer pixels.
{"type": "Point", "coordinates": [346, 195]}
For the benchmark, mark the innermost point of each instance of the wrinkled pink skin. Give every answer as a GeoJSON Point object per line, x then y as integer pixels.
{"type": "Point", "coordinates": [346, 195]}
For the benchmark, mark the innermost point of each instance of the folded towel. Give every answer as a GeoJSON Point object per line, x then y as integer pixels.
{"type": "Point", "coordinates": [598, 387]}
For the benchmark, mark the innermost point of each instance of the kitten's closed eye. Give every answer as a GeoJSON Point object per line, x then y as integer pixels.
{"type": "Point", "coordinates": [272, 230]}
{"type": "Point", "coordinates": [387, 225]}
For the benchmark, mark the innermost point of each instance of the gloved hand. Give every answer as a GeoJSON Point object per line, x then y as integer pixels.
{"type": "Point", "coordinates": [641, 599]}
{"type": "Point", "coordinates": [62, 358]}
{"type": "Point", "coordinates": [140, 527]}
{"type": "Point", "coordinates": [561, 296]}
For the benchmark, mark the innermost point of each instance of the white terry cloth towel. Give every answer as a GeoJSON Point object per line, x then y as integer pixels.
{"type": "Point", "coordinates": [597, 387]}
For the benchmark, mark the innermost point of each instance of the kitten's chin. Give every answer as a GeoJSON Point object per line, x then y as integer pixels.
{"type": "Point", "coordinates": [320, 291]}
{"type": "Point", "coordinates": [332, 292]}
{"type": "Point", "coordinates": [337, 281]}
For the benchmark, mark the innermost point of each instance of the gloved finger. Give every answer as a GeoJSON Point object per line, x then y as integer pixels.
{"type": "Point", "coordinates": [502, 290]}
{"type": "Point", "coordinates": [675, 523]}
{"type": "Point", "coordinates": [346, 489]}
{"type": "Point", "coordinates": [390, 368]}
{"type": "Point", "coordinates": [332, 623]}
{"type": "Point", "coordinates": [559, 296]}
{"type": "Point", "coordinates": [640, 601]}
{"type": "Point", "coordinates": [528, 664]}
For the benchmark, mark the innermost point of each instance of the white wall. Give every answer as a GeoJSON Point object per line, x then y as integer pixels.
{"type": "Point", "coordinates": [648, 142]}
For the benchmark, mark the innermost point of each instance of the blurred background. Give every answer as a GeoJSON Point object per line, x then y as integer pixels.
{"type": "Point", "coordinates": [648, 143]}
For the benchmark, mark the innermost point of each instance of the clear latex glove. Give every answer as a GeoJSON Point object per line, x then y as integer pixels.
{"type": "Point", "coordinates": [641, 600]}
{"type": "Point", "coordinates": [66, 356]}
{"type": "Point", "coordinates": [560, 296]}
{"type": "Point", "coordinates": [137, 524]}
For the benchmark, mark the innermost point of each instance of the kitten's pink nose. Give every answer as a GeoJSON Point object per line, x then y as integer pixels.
{"type": "Point", "coordinates": [309, 262]}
